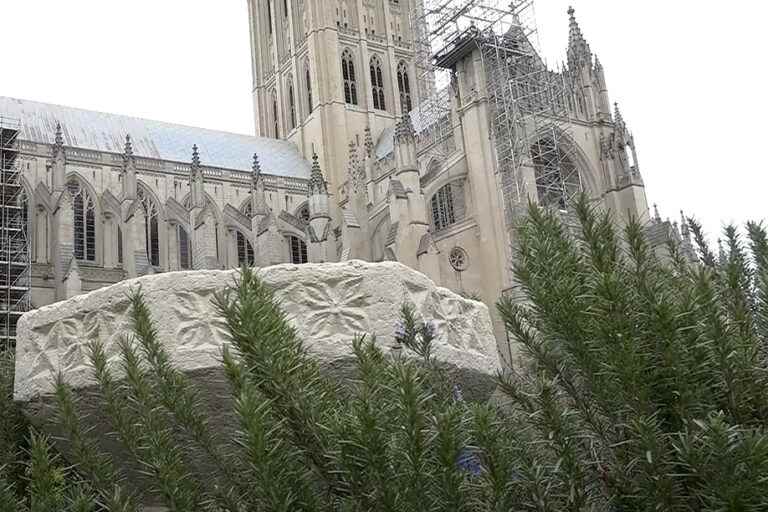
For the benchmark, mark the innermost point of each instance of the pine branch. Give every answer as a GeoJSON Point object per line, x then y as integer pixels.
{"type": "Point", "coordinates": [89, 461]}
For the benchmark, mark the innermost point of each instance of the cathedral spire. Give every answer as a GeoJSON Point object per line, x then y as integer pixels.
{"type": "Point", "coordinates": [58, 141]}
{"type": "Point", "coordinates": [317, 184]}
{"type": "Point", "coordinates": [256, 171]}
{"type": "Point", "coordinates": [129, 171]}
{"type": "Point", "coordinates": [128, 149]}
{"type": "Point", "coordinates": [579, 52]}
{"type": "Point", "coordinates": [196, 180]}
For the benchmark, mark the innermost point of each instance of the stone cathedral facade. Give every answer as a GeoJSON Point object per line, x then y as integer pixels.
{"type": "Point", "coordinates": [339, 168]}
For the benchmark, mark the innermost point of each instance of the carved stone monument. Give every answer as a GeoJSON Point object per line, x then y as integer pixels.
{"type": "Point", "coordinates": [327, 303]}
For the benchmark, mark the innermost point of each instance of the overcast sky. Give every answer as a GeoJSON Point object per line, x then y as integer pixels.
{"type": "Point", "coordinates": [689, 75]}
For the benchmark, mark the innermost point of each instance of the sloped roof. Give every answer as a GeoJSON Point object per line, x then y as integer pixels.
{"type": "Point", "coordinates": [100, 131]}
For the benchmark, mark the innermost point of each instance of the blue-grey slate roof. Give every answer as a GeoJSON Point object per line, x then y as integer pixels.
{"type": "Point", "coordinates": [100, 131]}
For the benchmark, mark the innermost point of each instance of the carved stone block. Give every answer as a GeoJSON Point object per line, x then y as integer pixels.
{"type": "Point", "coordinates": [327, 303]}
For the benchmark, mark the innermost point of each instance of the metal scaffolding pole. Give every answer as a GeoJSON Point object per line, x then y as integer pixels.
{"type": "Point", "coordinates": [14, 245]}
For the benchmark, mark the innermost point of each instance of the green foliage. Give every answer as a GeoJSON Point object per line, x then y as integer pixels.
{"type": "Point", "coordinates": [642, 384]}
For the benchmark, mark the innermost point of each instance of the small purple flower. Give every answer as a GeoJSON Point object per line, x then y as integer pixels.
{"type": "Point", "coordinates": [458, 396]}
{"type": "Point", "coordinates": [430, 329]}
{"type": "Point", "coordinates": [399, 331]}
{"type": "Point", "coordinates": [469, 461]}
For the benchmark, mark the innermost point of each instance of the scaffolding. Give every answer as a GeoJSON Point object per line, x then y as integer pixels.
{"type": "Point", "coordinates": [14, 246]}
{"type": "Point", "coordinates": [530, 104]}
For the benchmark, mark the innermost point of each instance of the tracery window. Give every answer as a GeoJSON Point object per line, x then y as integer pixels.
{"type": "Point", "coordinates": [348, 75]}
{"type": "Point", "coordinates": [557, 179]}
{"type": "Point", "coordinates": [447, 205]}
{"type": "Point", "coordinates": [404, 86]}
{"type": "Point", "coordinates": [185, 249]}
{"type": "Point", "coordinates": [245, 254]}
{"type": "Point", "coordinates": [151, 228]}
{"type": "Point", "coordinates": [298, 250]}
{"type": "Point", "coordinates": [84, 225]}
{"type": "Point", "coordinates": [377, 84]}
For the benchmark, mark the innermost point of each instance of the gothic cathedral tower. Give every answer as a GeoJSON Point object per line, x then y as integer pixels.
{"type": "Point", "coordinates": [324, 71]}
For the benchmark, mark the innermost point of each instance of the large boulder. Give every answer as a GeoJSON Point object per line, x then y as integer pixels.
{"type": "Point", "coordinates": [327, 303]}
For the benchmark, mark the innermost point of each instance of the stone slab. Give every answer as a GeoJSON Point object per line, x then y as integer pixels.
{"type": "Point", "coordinates": [327, 303]}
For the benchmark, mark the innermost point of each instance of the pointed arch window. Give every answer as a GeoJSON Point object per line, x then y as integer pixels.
{"type": "Point", "coordinates": [298, 250]}
{"type": "Point", "coordinates": [348, 75]}
{"type": "Point", "coordinates": [308, 84]}
{"type": "Point", "coordinates": [245, 254]}
{"type": "Point", "coordinates": [377, 84]}
{"type": "Point", "coordinates": [447, 205]}
{"type": "Point", "coordinates": [275, 116]}
{"type": "Point", "coordinates": [84, 222]}
{"type": "Point", "coordinates": [151, 227]}
{"type": "Point", "coordinates": [404, 86]}
{"type": "Point", "coordinates": [291, 104]}
{"type": "Point", "coordinates": [185, 249]}
{"type": "Point", "coordinates": [558, 182]}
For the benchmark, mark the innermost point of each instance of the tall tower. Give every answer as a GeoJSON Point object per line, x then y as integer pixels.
{"type": "Point", "coordinates": [325, 70]}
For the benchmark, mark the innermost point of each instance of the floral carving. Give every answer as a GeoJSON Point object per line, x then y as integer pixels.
{"type": "Point", "coordinates": [449, 314]}
{"type": "Point", "coordinates": [199, 328]}
{"type": "Point", "coordinates": [332, 307]}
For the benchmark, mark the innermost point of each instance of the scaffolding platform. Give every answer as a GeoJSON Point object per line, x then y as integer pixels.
{"type": "Point", "coordinates": [14, 244]}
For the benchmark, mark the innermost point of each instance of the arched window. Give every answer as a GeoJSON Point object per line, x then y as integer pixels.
{"type": "Point", "coordinates": [291, 104]}
{"type": "Point", "coordinates": [185, 250]}
{"type": "Point", "coordinates": [557, 178]}
{"type": "Point", "coordinates": [298, 250]}
{"type": "Point", "coordinates": [151, 228]}
{"type": "Point", "coordinates": [447, 206]}
{"type": "Point", "coordinates": [377, 84]}
{"type": "Point", "coordinates": [275, 116]}
{"type": "Point", "coordinates": [348, 75]}
{"type": "Point", "coordinates": [308, 83]}
{"type": "Point", "coordinates": [245, 254]}
{"type": "Point", "coordinates": [404, 85]}
{"type": "Point", "coordinates": [84, 222]}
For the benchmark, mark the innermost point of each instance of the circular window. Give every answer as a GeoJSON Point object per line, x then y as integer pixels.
{"type": "Point", "coordinates": [459, 259]}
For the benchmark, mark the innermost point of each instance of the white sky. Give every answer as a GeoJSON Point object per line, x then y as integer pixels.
{"type": "Point", "coordinates": [689, 75]}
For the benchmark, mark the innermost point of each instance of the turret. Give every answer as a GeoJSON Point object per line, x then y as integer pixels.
{"type": "Point", "coordinates": [196, 180]}
{"type": "Point", "coordinates": [129, 171]}
{"type": "Point", "coordinates": [59, 161]}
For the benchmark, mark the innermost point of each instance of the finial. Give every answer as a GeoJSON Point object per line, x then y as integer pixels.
{"type": "Point", "coordinates": [368, 142]}
{"type": "Point", "coordinates": [59, 137]}
{"type": "Point", "coordinates": [656, 215]}
{"type": "Point", "coordinates": [195, 157]}
{"type": "Point", "coordinates": [317, 184]}
{"type": "Point", "coordinates": [578, 48]}
{"type": "Point", "coordinates": [685, 229]}
{"type": "Point", "coordinates": [128, 146]}
{"type": "Point", "coordinates": [404, 128]}
{"type": "Point", "coordinates": [58, 141]}
{"type": "Point", "coordinates": [256, 167]}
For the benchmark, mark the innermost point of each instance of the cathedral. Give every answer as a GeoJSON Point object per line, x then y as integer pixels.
{"type": "Point", "coordinates": [349, 160]}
